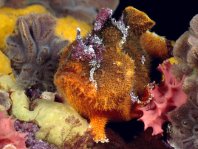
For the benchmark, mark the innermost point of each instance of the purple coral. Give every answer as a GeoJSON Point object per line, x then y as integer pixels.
{"type": "Point", "coordinates": [184, 128]}
{"type": "Point", "coordinates": [81, 51]}
{"type": "Point", "coordinates": [30, 129]}
{"type": "Point", "coordinates": [34, 51]}
{"type": "Point", "coordinates": [102, 17]}
{"type": "Point", "coordinates": [89, 49]}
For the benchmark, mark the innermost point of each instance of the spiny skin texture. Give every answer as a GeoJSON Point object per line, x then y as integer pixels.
{"type": "Point", "coordinates": [110, 101]}
{"type": "Point", "coordinates": [118, 73]}
{"type": "Point", "coordinates": [34, 51]}
{"type": "Point", "coordinates": [142, 45]}
{"type": "Point", "coordinates": [155, 45]}
{"type": "Point", "coordinates": [184, 120]}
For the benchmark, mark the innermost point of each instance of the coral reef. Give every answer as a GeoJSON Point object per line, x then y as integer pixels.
{"type": "Point", "coordinates": [97, 75]}
{"type": "Point", "coordinates": [34, 51]}
{"type": "Point", "coordinates": [104, 75]}
{"type": "Point", "coordinates": [9, 17]}
{"type": "Point", "coordinates": [166, 97]}
{"type": "Point", "coordinates": [57, 122]}
{"type": "Point", "coordinates": [184, 120]}
{"type": "Point", "coordinates": [8, 134]}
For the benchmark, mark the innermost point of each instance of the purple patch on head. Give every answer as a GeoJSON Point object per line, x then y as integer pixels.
{"type": "Point", "coordinates": [102, 17]}
{"type": "Point", "coordinates": [81, 51]}
{"type": "Point", "coordinates": [89, 49]}
{"type": "Point", "coordinates": [97, 45]}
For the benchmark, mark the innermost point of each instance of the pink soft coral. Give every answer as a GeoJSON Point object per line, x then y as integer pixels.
{"type": "Point", "coordinates": [8, 134]}
{"type": "Point", "coordinates": [166, 97]}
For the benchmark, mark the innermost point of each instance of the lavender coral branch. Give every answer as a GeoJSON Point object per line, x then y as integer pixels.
{"type": "Point", "coordinates": [34, 51]}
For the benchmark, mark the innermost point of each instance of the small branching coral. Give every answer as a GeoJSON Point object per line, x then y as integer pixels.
{"type": "Point", "coordinates": [97, 74]}
{"type": "Point", "coordinates": [34, 51]}
{"type": "Point", "coordinates": [8, 134]}
{"type": "Point", "coordinates": [184, 120]}
{"type": "Point", "coordinates": [166, 97]}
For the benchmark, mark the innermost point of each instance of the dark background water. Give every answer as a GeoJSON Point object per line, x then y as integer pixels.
{"type": "Point", "coordinates": [171, 16]}
{"type": "Point", "coordinates": [172, 20]}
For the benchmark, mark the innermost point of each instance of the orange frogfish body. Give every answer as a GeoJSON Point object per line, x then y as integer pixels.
{"type": "Point", "coordinates": [104, 76]}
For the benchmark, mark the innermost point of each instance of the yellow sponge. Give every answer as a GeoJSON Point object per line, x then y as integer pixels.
{"type": "Point", "coordinates": [4, 64]}
{"type": "Point", "coordinates": [66, 28]}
